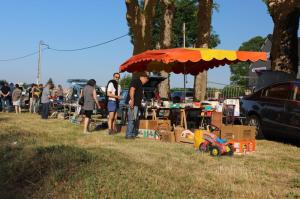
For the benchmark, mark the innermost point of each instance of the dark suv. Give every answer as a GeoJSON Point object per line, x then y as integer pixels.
{"type": "Point", "coordinates": [275, 110]}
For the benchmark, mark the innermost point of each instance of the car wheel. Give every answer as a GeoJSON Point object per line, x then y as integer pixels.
{"type": "Point", "coordinates": [255, 121]}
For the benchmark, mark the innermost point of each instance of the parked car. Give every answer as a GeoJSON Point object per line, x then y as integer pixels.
{"type": "Point", "coordinates": [76, 85]}
{"type": "Point", "coordinates": [179, 96]}
{"type": "Point", "coordinates": [275, 110]}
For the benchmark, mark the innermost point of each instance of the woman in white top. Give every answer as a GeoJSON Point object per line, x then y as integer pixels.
{"type": "Point", "coordinates": [113, 91]}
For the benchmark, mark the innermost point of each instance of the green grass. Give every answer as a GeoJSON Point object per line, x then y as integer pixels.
{"type": "Point", "coordinates": [53, 159]}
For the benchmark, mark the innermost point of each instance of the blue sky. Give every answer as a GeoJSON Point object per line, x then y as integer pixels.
{"type": "Point", "coordinates": [77, 23]}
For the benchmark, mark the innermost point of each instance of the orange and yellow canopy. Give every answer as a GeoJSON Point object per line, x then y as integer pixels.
{"type": "Point", "coordinates": [187, 60]}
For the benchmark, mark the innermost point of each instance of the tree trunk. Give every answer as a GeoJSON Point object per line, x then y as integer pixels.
{"type": "Point", "coordinates": [204, 29]}
{"type": "Point", "coordinates": [284, 51]}
{"type": "Point", "coordinates": [165, 42]}
{"type": "Point", "coordinates": [140, 19]}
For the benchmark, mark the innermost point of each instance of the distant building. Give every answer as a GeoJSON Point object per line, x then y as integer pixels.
{"type": "Point", "coordinates": [260, 65]}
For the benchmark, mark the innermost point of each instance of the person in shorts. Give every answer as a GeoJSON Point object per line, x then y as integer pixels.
{"type": "Point", "coordinates": [113, 92]}
{"type": "Point", "coordinates": [16, 98]}
{"type": "Point", "coordinates": [90, 99]}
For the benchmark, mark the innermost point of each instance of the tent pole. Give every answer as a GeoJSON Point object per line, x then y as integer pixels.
{"type": "Point", "coordinates": [184, 73]}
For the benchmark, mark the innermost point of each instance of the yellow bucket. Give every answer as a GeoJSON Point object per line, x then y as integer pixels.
{"type": "Point", "coordinates": [198, 137]}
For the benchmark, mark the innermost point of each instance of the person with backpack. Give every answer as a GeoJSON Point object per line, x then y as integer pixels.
{"type": "Point", "coordinates": [113, 95]}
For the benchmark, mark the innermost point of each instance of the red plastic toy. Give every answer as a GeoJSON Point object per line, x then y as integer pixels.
{"type": "Point", "coordinates": [215, 145]}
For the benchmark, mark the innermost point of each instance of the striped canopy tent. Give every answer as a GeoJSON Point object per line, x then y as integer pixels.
{"type": "Point", "coordinates": [187, 60]}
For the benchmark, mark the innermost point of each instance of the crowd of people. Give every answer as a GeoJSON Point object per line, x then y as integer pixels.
{"type": "Point", "coordinates": [40, 96]}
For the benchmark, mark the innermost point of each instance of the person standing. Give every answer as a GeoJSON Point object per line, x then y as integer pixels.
{"type": "Point", "coordinates": [40, 88]}
{"type": "Point", "coordinates": [4, 93]}
{"type": "Point", "coordinates": [113, 91]}
{"type": "Point", "coordinates": [60, 93]}
{"type": "Point", "coordinates": [30, 97]}
{"type": "Point", "coordinates": [35, 92]}
{"type": "Point", "coordinates": [16, 98]}
{"type": "Point", "coordinates": [45, 100]}
{"type": "Point", "coordinates": [90, 99]}
{"type": "Point", "coordinates": [11, 88]}
{"type": "Point", "coordinates": [134, 100]}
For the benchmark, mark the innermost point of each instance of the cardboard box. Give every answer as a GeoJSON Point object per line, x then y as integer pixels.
{"type": "Point", "coordinates": [238, 132]}
{"type": "Point", "coordinates": [177, 131]}
{"type": "Point", "coordinates": [243, 146]}
{"type": "Point", "coordinates": [164, 122]}
{"type": "Point", "coordinates": [148, 124]}
{"type": "Point", "coordinates": [150, 134]}
{"type": "Point", "coordinates": [216, 119]}
{"type": "Point", "coordinates": [164, 125]}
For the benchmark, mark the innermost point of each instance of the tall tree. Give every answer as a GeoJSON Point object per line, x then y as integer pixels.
{"type": "Point", "coordinates": [185, 12]}
{"type": "Point", "coordinates": [203, 41]}
{"type": "Point", "coordinates": [284, 52]}
{"type": "Point", "coordinates": [241, 69]}
{"type": "Point", "coordinates": [140, 15]}
{"type": "Point", "coordinates": [167, 7]}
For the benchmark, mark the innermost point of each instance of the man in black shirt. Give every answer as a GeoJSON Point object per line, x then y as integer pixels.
{"type": "Point", "coordinates": [134, 99]}
{"type": "Point", "coordinates": [4, 93]}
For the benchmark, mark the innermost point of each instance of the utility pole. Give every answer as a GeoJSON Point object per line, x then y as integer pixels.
{"type": "Point", "coordinates": [38, 80]}
{"type": "Point", "coordinates": [184, 75]}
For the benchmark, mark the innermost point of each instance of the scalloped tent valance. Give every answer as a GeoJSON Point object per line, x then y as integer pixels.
{"type": "Point", "coordinates": [187, 60]}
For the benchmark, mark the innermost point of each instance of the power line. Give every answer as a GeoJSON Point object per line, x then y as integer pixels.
{"type": "Point", "coordinates": [66, 50]}
{"type": "Point", "coordinates": [92, 46]}
{"type": "Point", "coordinates": [22, 57]}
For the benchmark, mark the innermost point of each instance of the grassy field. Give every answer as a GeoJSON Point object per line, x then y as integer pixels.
{"type": "Point", "coordinates": [53, 159]}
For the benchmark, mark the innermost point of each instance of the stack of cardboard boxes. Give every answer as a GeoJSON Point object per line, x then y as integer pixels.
{"type": "Point", "coordinates": [154, 129]}
{"type": "Point", "coordinates": [242, 137]}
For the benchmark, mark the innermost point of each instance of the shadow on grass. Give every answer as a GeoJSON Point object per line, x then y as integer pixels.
{"type": "Point", "coordinates": [282, 139]}
{"type": "Point", "coordinates": [23, 172]}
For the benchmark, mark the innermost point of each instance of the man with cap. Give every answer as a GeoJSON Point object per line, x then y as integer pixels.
{"type": "Point", "coordinates": [134, 100]}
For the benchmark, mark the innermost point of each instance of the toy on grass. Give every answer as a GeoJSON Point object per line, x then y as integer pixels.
{"type": "Point", "coordinates": [215, 145]}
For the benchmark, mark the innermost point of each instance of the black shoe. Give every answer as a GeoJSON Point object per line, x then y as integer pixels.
{"type": "Point", "coordinates": [110, 132]}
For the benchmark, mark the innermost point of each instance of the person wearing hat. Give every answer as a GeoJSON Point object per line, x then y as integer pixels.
{"type": "Point", "coordinates": [134, 100]}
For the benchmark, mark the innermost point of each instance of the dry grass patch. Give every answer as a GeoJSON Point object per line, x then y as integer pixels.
{"type": "Point", "coordinates": [53, 159]}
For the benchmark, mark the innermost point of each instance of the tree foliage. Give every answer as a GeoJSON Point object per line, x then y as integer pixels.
{"type": "Point", "coordinates": [239, 71]}
{"type": "Point", "coordinates": [186, 11]}
{"type": "Point", "coordinates": [2, 82]}
{"type": "Point", "coordinates": [125, 81]}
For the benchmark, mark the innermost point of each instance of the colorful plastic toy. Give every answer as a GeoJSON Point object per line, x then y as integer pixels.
{"type": "Point", "coordinates": [215, 145]}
